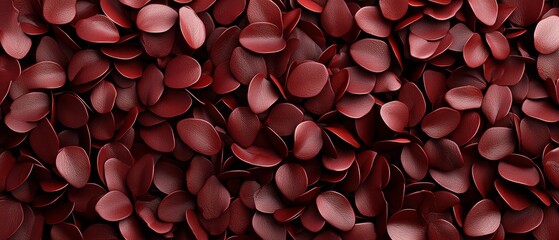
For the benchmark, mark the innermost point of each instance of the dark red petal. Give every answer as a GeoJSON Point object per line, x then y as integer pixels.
{"type": "Point", "coordinates": [291, 180]}
{"type": "Point", "coordinates": [498, 44]}
{"type": "Point", "coordinates": [464, 98]}
{"type": "Point", "coordinates": [496, 103]}
{"type": "Point", "coordinates": [192, 27]}
{"type": "Point", "coordinates": [156, 18]}
{"type": "Point", "coordinates": [114, 206]}
{"type": "Point", "coordinates": [496, 143]}
{"type": "Point", "coordinates": [393, 9]}
{"type": "Point", "coordinates": [73, 164]}
{"type": "Point", "coordinates": [414, 161]}
{"type": "Point", "coordinates": [13, 213]}
{"type": "Point", "coordinates": [262, 37]}
{"type": "Point", "coordinates": [307, 79]}
{"type": "Point", "coordinates": [483, 219]}
{"type": "Point", "coordinates": [371, 54]}
{"type": "Point", "coordinates": [213, 198]}
{"type": "Point", "coordinates": [541, 110]}
{"type": "Point", "coordinates": [485, 10]}
{"type": "Point", "coordinates": [475, 52]}
{"type": "Point", "coordinates": [440, 122]}
{"type": "Point", "coordinates": [371, 21]}
{"type": "Point", "coordinates": [284, 118]}
{"type": "Point", "coordinates": [395, 115]}
{"type": "Point", "coordinates": [336, 18]}
{"type": "Point", "coordinates": [243, 126]}
{"type": "Point", "coordinates": [257, 156]}
{"type": "Point", "coordinates": [519, 169]}
{"type": "Point", "coordinates": [182, 71]}
{"type": "Point", "coordinates": [199, 135]}
{"type": "Point", "coordinates": [545, 40]}
{"type": "Point", "coordinates": [267, 228]}
{"type": "Point", "coordinates": [30, 107]}
{"type": "Point", "coordinates": [308, 140]}
{"type": "Point", "coordinates": [97, 29]}
{"type": "Point", "coordinates": [406, 224]}
{"type": "Point", "coordinates": [522, 221]}
{"type": "Point", "coordinates": [261, 94]}
{"type": "Point", "coordinates": [355, 106]}
{"type": "Point", "coordinates": [336, 210]}
{"type": "Point", "coordinates": [43, 75]}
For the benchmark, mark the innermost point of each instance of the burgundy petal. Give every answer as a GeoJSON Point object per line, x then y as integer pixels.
{"type": "Point", "coordinates": [257, 156]}
{"type": "Point", "coordinates": [97, 29]}
{"type": "Point", "coordinates": [73, 164]}
{"type": "Point", "coordinates": [336, 18]}
{"type": "Point", "coordinates": [307, 79]}
{"type": "Point", "coordinates": [192, 27]}
{"type": "Point", "coordinates": [114, 206]}
{"type": "Point", "coordinates": [406, 224]}
{"type": "Point", "coordinates": [291, 180]}
{"type": "Point", "coordinates": [371, 54]}
{"type": "Point", "coordinates": [483, 219]}
{"type": "Point", "coordinates": [475, 52]}
{"type": "Point", "coordinates": [395, 115]}
{"type": "Point", "coordinates": [12, 211]}
{"type": "Point", "coordinates": [440, 122]}
{"type": "Point", "coordinates": [336, 210]}
{"type": "Point", "coordinates": [199, 135]}
{"type": "Point", "coordinates": [496, 143]}
{"type": "Point", "coordinates": [308, 140]}
{"type": "Point", "coordinates": [496, 103]}
{"type": "Point", "coordinates": [464, 98]}
{"type": "Point", "coordinates": [371, 21]}
{"type": "Point", "coordinates": [485, 11]}
{"type": "Point", "coordinates": [213, 198]}
{"type": "Point", "coordinates": [544, 39]}
{"type": "Point", "coordinates": [182, 71]}
{"type": "Point", "coordinates": [261, 94]}
{"type": "Point", "coordinates": [156, 18]}
{"type": "Point", "coordinates": [262, 37]}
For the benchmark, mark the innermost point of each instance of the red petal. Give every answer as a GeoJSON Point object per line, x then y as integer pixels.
{"type": "Point", "coordinates": [485, 10]}
{"type": "Point", "coordinates": [371, 54]}
{"type": "Point", "coordinates": [336, 210]}
{"type": "Point", "coordinates": [496, 103]}
{"type": "Point", "coordinates": [406, 224]}
{"type": "Point", "coordinates": [307, 79]}
{"type": "Point", "coordinates": [114, 206]}
{"type": "Point", "coordinates": [414, 161]}
{"type": "Point", "coordinates": [30, 107]}
{"type": "Point", "coordinates": [192, 28]}
{"type": "Point", "coordinates": [182, 71]}
{"type": "Point", "coordinates": [199, 135]}
{"type": "Point", "coordinates": [545, 40]}
{"type": "Point", "coordinates": [371, 21]}
{"type": "Point", "coordinates": [225, 12]}
{"type": "Point", "coordinates": [103, 97]}
{"type": "Point", "coordinates": [395, 115]}
{"type": "Point", "coordinates": [73, 164]}
{"type": "Point", "coordinates": [541, 110]}
{"type": "Point", "coordinates": [267, 228]}
{"type": "Point", "coordinates": [261, 94]}
{"type": "Point", "coordinates": [355, 106]}
{"type": "Point", "coordinates": [97, 29]}
{"type": "Point", "coordinates": [483, 219]}
{"type": "Point", "coordinates": [336, 18]}
{"type": "Point", "coordinates": [43, 75]}
{"type": "Point", "coordinates": [393, 9]}
{"type": "Point", "coordinates": [291, 180]}
{"type": "Point", "coordinates": [498, 44]}
{"type": "Point", "coordinates": [475, 52]}
{"type": "Point", "coordinates": [213, 198]}
{"type": "Point", "coordinates": [156, 18]}
{"type": "Point", "coordinates": [257, 156]}
{"type": "Point", "coordinates": [519, 169]}
{"type": "Point", "coordinates": [12, 211]}
{"type": "Point", "coordinates": [244, 65]}
{"type": "Point", "coordinates": [140, 176]}
{"type": "Point", "coordinates": [284, 118]}
{"type": "Point", "coordinates": [522, 221]}
{"type": "Point", "coordinates": [464, 98]}
{"type": "Point", "coordinates": [71, 111]}
{"type": "Point", "coordinates": [496, 143]}
{"type": "Point", "coordinates": [308, 140]}
{"type": "Point", "coordinates": [243, 126]}
{"type": "Point", "coordinates": [262, 37]}
{"type": "Point", "coordinates": [440, 122]}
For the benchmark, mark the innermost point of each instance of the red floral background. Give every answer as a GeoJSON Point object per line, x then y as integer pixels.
{"type": "Point", "coordinates": [273, 119]}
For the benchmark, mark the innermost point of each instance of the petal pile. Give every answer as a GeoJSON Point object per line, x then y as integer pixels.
{"type": "Point", "coordinates": [276, 119]}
